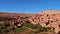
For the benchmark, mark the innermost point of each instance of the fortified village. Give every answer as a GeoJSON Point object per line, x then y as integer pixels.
{"type": "Point", "coordinates": [49, 18]}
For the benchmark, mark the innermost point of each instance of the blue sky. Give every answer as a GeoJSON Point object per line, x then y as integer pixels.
{"type": "Point", "coordinates": [28, 6]}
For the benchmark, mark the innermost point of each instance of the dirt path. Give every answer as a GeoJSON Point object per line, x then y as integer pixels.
{"type": "Point", "coordinates": [26, 31]}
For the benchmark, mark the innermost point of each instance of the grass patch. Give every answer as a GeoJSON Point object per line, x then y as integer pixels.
{"type": "Point", "coordinates": [37, 27]}
{"type": "Point", "coordinates": [20, 29]}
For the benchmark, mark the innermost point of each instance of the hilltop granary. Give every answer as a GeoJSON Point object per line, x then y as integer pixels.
{"type": "Point", "coordinates": [49, 18]}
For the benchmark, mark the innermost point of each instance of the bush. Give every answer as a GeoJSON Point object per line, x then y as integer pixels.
{"type": "Point", "coordinates": [3, 27]}
{"type": "Point", "coordinates": [37, 27]}
{"type": "Point", "coordinates": [30, 25]}
{"type": "Point", "coordinates": [19, 29]}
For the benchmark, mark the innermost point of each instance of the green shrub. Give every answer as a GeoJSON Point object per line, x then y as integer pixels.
{"type": "Point", "coordinates": [3, 27]}
{"type": "Point", "coordinates": [3, 30]}
{"type": "Point", "coordinates": [30, 25]}
{"type": "Point", "coordinates": [37, 27]}
{"type": "Point", "coordinates": [19, 29]}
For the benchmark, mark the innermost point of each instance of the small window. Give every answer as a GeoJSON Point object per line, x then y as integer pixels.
{"type": "Point", "coordinates": [56, 19]}
{"type": "Point", "coordinates": [53, 28]}
{"type": "Point", "coordinates": [59, 25]}
{"type": "Point", "coordinates": [58, 32]}
{"type": "Point", "coordinates": [51, 21]}
{"type": "Point", "coordinates": [47, 15]}
{"type": "Point", "coordinates": [40, 14]}
{"type": "Point", "coordinates": [47, 23]}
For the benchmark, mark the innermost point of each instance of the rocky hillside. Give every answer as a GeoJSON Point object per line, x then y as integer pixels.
{"type": "Point", "coordinates": [48, 18]}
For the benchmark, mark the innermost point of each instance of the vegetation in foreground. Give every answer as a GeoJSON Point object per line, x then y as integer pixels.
{"type": "Point", "coordinates": [7, 27]}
